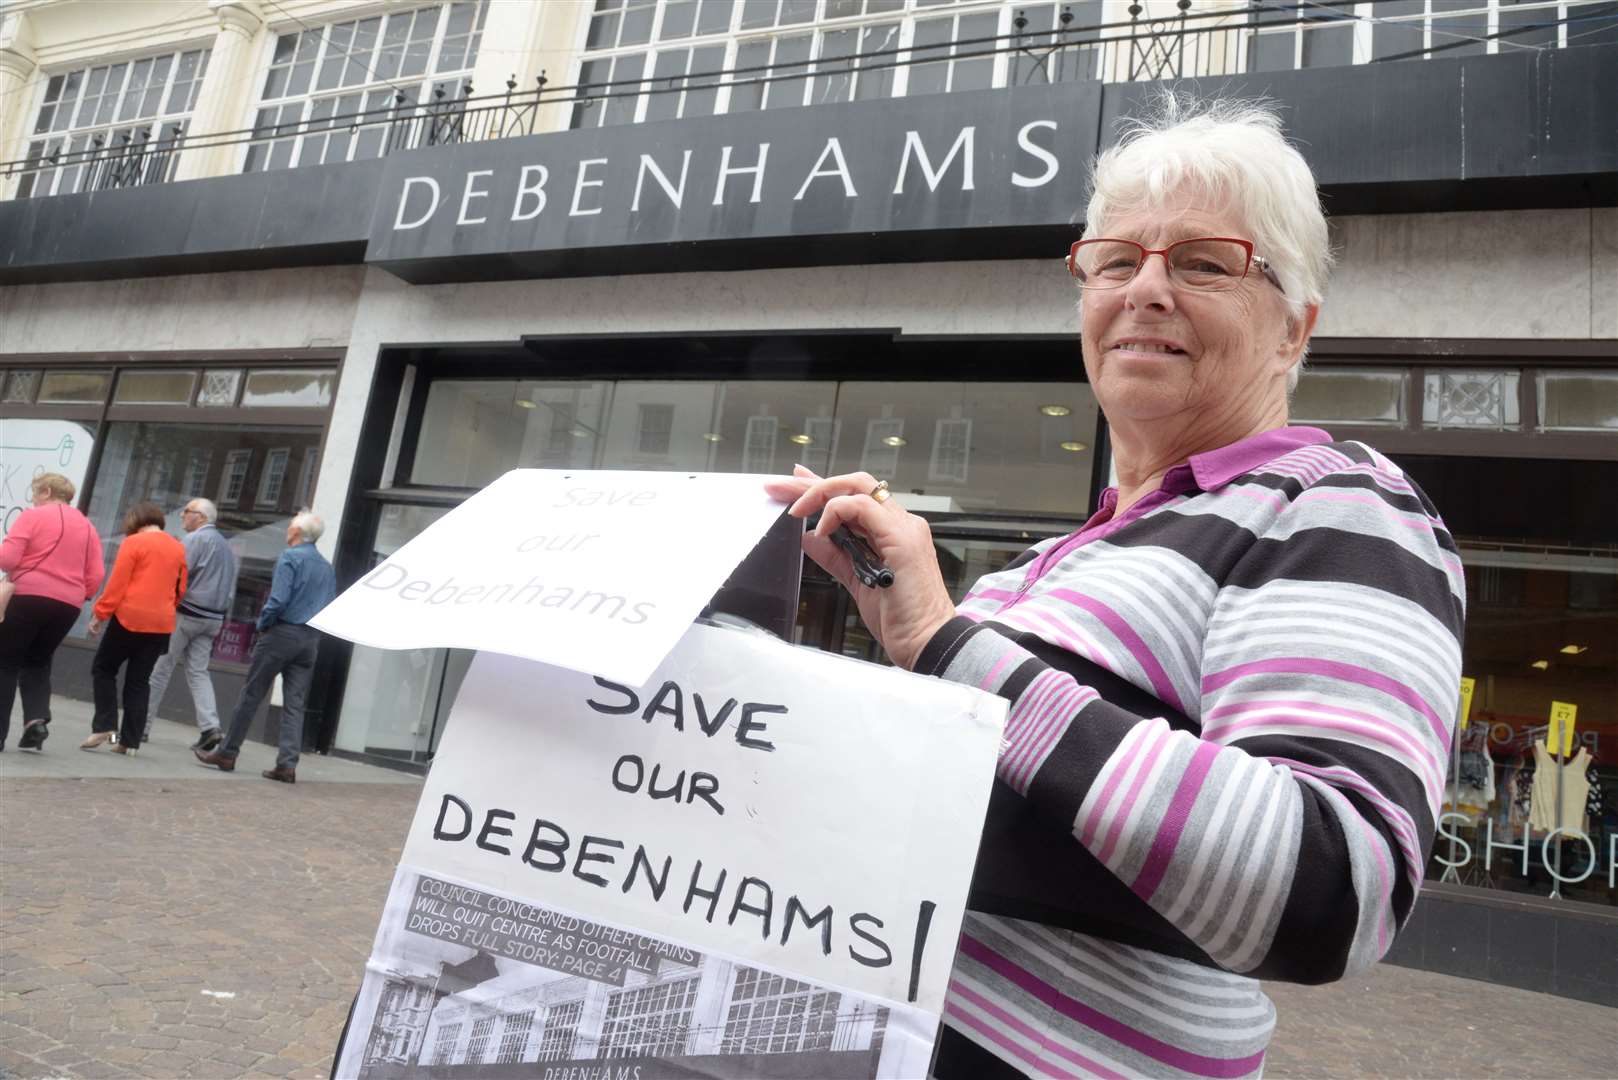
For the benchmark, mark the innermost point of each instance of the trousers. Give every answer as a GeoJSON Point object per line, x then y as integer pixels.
{"type": "Point", "coordinates": [191, 645]}
{"type": "Point", "coordinates": [33, 628]}
{"type": "Point", "coordinates": [136, 652]}
{"type": "Point", "coordinates": [287, 650]}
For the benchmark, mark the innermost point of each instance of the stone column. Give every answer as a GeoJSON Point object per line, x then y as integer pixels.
{"type": "Point", "coordinates": [520, 41]}
{"type": "Point", "coordinates": [17, 68]}
{"type": "Point", "coordinates": [228, 89]}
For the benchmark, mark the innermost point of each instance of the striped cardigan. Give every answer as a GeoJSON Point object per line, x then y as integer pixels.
{"type": "Point", "coordinates": [1300, 602]}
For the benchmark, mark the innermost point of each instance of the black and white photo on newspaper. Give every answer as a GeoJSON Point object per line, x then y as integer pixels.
{"type": "Point", "coordinates": [755, 864]}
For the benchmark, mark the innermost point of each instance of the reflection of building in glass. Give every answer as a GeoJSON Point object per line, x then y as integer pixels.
{"type": "Point", "coordinates": [730, 1014]}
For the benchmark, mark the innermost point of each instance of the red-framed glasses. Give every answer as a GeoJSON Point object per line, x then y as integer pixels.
{"type": "Point", "coordinates": [1203, 263]}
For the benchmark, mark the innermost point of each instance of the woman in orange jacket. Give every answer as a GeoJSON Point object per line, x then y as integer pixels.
{"type": "Point", "coordinates": [137, 609]}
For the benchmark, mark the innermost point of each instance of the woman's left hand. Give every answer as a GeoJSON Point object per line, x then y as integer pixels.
{"type": "Point", "coordinates": [903, 617]}
{"type": "Point", "coordinates": [94, 629]}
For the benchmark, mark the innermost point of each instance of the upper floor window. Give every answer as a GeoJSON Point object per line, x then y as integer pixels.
{"type": "Point", "coordinates": [340, 92]}
{"type": "Point", "coordinates": [659, 59]}
{"type": "Point", "coordinates": [109, 121]}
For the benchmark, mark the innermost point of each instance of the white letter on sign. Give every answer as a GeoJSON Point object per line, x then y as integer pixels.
{"type": "Point", "coordinates": [468, 194]}
{"type": "Point", "coordinates": [915, 148]}
{"type": "Point", "coordinates": [525, 189]}
{"type": "Point", "coordinates": [1025, 143]}
{"type": "Point", "coordinates": [404, 197]}
{"type": "Point", "coordinates": [580, 183]}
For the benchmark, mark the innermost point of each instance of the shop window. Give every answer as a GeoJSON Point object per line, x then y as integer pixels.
{"type": "Point", "coordinates": [758, 455]}
{"type": "Point", "coordinates": [653, 1021]}
{"type": "Point", "coordinates": [970, 62]}
{"type": "Point", "coordinates": [682, 18]}
{"type": "Point", "coordinates": [1022, 447]}
{"type": "Point", "coordinates": [170, 464]}
{"type": "Point", "coordinates": [1578, 400]}
{"type": "Point", "coordinates": [273, 477]}
{"type": "Point", "coordinates": [301, 388]}
{"type": "Point", "coordinates": [234, 481]}
{"type": "Point", "coordinates": [154, 388]}
{"type": "Point", "coordinates": [656, 426]}
{"type": "Point", "coordinates": [333, 93]}
{"type": "Point", "coordinates": [561, 1026]}
{"type": "Point", "coordinates": [685, 82]}
{"type": "Point", "coordinates": [74, 387]}
{"type": "Point", "coordinates": [1473, 400]}
{"type": "Point", "coordinates": [1361, 396]}
{"type": "Point", "coordinates": [514, 1037]}
{"type": "Point", "coordinates": [219, 387]}
{"type": "Point", "coordinates": [884, 438]}
{"type": "Point", "coordinates": [120, 120]}
{"type": "Point", "coordinates": [20, 388]}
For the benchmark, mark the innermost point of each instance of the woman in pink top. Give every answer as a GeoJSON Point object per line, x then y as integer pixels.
{"type": "Point", "coordinates": [53, 556]}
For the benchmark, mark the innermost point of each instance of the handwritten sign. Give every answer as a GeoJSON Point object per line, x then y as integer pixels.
{"type": "Point", "coordinates": [598, 571]}
{"type": "Point", "coordinates": [1467, 686]}
{"type": "Point", "coordinates": [754, 815]}
{"type": "Point", "coordinates": [1559, 735]}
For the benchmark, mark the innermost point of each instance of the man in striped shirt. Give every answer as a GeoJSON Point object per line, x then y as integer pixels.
{"type": "Point", "coordinates": [1232, 691]}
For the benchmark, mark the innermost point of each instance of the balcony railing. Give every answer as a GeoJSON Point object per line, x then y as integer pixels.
{"type": "Point", "coordinates": [1184, 44]}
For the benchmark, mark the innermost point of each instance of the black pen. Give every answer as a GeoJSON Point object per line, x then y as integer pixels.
{"type": "Point", "coordinates": [867, 563]}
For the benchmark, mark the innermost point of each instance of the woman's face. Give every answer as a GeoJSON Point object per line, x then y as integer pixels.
{"type": "Point", "coordinates": [1187, 365]}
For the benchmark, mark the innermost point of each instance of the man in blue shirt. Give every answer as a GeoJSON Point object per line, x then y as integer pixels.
{"type": "Point", "coordinates": [303, 584]}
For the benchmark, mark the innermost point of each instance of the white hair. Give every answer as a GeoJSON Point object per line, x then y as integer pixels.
{"type": "Point", "coordinates": [207, 509]}
{"type": "Point", "coordinates": [1232, 152]}
{"type": "Point", "coordinates": [309, 524]}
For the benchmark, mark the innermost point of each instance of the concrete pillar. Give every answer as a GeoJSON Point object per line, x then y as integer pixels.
{"type": "Point", "coordinates": [17, 67]}
{"type": "Point", "coordinates": [227, 89]}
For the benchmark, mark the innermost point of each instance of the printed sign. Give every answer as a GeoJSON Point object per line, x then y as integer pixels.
{"type": "Point", "coordinates": [1467, 686]}
{"type": "Point", "coordinates": [754, 863]}
{"type": "Point", "coordinates": [29, 448]}
{"type": "Point", "coordinates": [1559, 736]}
{"type": "Point", "coordinates": [598, 571]}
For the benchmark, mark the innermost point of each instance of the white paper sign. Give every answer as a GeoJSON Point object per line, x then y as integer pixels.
{"type": "Point", "coordinates": [662, 875]}
{"type": "Point", "coordinates": [597, 571]}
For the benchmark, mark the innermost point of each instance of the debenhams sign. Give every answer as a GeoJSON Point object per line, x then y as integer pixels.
{"type": "Point", "coordinates": [984, 160]}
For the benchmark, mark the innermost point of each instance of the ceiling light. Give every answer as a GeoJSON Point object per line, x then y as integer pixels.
{"type": "Point", "coordinates": [1074, 446]}
{"type": "Point", "coordinates": [1540, 665]}
{"type": "Point", "coordinates": [524, 403]}
{"type": "Point", "coordinates": [1055, 410]}
{"type": "Point", "coordinates": [712, 436]}
{"type": "Point", "coordinates": [580, 433]}
{"type": "Point", "coordinates": [893, 440]}
{"type": "Point", "coordinates": [801, 440]}
{"type": "Point", "coordinates": [1574, 650]}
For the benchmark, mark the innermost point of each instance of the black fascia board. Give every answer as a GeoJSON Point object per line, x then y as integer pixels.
{"type": "Point", "coordinates": [1520, 130]}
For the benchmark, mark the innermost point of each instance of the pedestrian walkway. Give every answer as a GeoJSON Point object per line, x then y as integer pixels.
{"type": "Point", "coordinates": [166, 757]}
{"type": "Point", "coordinates": [159, 919]}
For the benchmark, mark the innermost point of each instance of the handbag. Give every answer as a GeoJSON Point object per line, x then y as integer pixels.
{"type": "Point", "coordinates": [8, 587]}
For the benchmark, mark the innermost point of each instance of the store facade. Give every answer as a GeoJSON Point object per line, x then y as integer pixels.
{"type": "Point", "coordinates": [879, 286]}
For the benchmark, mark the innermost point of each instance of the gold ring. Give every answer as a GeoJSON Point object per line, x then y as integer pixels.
{"type": "Point", "coordinates": [881, 493]}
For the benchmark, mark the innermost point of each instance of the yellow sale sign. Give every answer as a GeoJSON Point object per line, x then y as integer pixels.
{"type": "Point", "coordinates": [1559, 736]}
{"type": "Point", "coordinates": [1467, 686]}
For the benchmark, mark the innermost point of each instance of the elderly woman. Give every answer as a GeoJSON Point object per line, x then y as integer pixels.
{"type": "Point", "coordinates": [1231, 691]}
{"type": "Point", "coordinates": [52, 557]}
{"type": "Point", "coordinates": [137, 610]}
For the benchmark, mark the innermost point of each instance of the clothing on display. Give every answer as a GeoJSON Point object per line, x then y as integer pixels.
{"type": "Point", "coordinates": [1573, 776]}
{"type": "Point", "coordinates": [1472, 791]}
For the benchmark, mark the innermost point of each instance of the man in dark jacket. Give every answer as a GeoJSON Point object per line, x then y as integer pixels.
{"type": "Point", "coordinates": [303, 584]}
{"type": "Point", "coordinates": [210, 588]}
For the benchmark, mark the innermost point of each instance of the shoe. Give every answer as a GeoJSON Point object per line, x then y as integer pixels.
{"type": "Point", "coordinates": [34, 734]}
{"type": "Point", "coordinates": [99, 738]}
{"type": "Point", "coordinates": [208, 740]}
{"type": "Point", "coordinates": [286, 776]}
{"type": "Point", "coordinates": [124, 748]}
{"type": "Point", "coordinates": [217, 760]}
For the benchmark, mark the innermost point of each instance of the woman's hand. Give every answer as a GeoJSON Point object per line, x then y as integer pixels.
{"type": "Point", "coordinates": [904, 617]}
{"type": "Point", "coordinates": [94, 629]}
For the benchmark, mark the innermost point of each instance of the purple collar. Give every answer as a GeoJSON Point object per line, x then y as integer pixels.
{"type": "Point", "coordinates": [1216, 468]}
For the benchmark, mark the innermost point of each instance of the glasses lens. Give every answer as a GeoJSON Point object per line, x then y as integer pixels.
{"type": "Point", "coordinates": [1211, 265]}
{"type": "Point", "coordinates": [1106, 264]}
